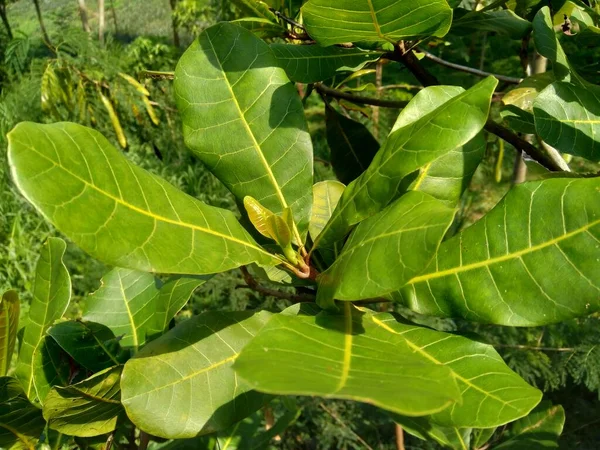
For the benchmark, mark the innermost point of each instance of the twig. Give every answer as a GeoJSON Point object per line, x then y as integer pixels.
{"type": "Point", "coordinates": [325, 90]}
{"type": "Point", "coordinates": [251, 283]}
{"type": "Point", "coordinates": [343, 424]}
{"type": "Point", "coordinates": [109, 441]}
{"type": "Point", "coordinates": [539, 349]}
{"type": "Point", "coordinates": [472, 71]}
{"type": "Point", "coordinates": [399, 438]}
{"type": "Point", "coordinates": [156, 75]}
{"type": "Point", "coordinates": [144, 440]}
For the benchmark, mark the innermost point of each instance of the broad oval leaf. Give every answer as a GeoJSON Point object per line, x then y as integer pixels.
{"type": "Point", "coordinates": [21, 423]}
{"type": "Point", "coordinates": [387, 249]}
{"type": "Point", "coordinates": [346, 357]}
{"type": "Point", "coordinates": [51, 297]}
{"type": "Point", "coordinates": [567, 117]}
{"type": "Point", "coordinates": [120, 213]}
{"type": "Point", "coordinates": [244, 119]}
{"type": "Point", "coordinates": [92, 345]}
{"type": "Point", "coordinates": [135, 305]}
{"type": "Point", "coordinates": [9, 324]}
{"type": "Point", "coordinates": [352, 146]}
{"type": "Point", "coordinates": [375, 20]}
{"type": "Point", "coordinates": [182, 384]}
{"type": "Point", "coordinates": [312, 63]}
{"type": "Point", "coordinates": [419, 138]}
{"type": "Point", "coordinates": [503, 269]}
{"type": "Point", "coordinates": [88, 408]}
{"type": "Point", "coordinates": [540, 429]}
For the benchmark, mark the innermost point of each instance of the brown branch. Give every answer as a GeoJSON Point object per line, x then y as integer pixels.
{"type": "Point", "coordinates": [251, 283]}
{"type": "Point", "coordinates": [466, 69]}
{"type": "Point", "coordinates": [325, 90]}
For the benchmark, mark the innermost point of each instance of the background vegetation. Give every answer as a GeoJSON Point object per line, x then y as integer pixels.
{"type": "Point", "coordinates": [71, 74]}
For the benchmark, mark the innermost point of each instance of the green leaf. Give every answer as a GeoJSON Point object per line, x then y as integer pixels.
{"type": "Point", "coordinates": [51, 296]}
{"type": "Point", "coordinates": [346, 357]}
{"type": "Point", "coordinates": [503, 269]}
{"type": "Point", "coordinates": [503, 22]}
{"type": "Point", "coordinates": [262, 28]}
{"type": "Point", "coordinates": [386, 250]}
{"type": "Point", "coordinates": [527, 91]}
{"type": "Point", "coordinates": [135, 305]}
{"type": "Point", "coordinates": [482, 436]}
{"type": "Point", "coordinates": [255, 8]}
{"type": "Point", "coordinates": [120, 213]}
{"type": "Point", "coordinates": [181, 384]}
{"type": "Point", "coordinates": [419, 138]}
{"type": "Point", "coordinates": [540, 429]}
{"type": "Point", "coordinates": [567, 117]}
{"type": "Point", "coordinates": [375, 20]}
{"type": "Point", "coordinates": [86, 409]}
{"type": "Point", "coordinates": [424, 428]}
{"type": "Point", "coordinates": [326, 195]}
{"type": "Point", "coordinates": [21, 423]}
{"type": "Point", "coordinates": [92, 345]}
{"type": "Point", "coordinates": [245, 120]}
{"type": "Point", "coordinates": [9, 324]}
{"type": "Point", "coordinates": [312, 63]}
{"type": "Point", "coordinates": [352, 145]}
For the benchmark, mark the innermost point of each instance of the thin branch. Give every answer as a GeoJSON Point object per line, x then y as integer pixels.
{"type": "Point", "coordinates": [144, 440]}
{"type": "Point", "coordinates": [472, 71]}
{"type": "Point", "coordinates": [539, 349]}
{"type": "Point", "coordinates": [251, 283]}
{"type": "Point", "coordinates": [156, 75]}
{"type": "Point", "coordinates": [343, 424]}
{"type": "Point", "coordinates": [325, 90]}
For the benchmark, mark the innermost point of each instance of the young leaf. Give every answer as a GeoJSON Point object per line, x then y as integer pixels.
{"type": "Point", "coordinates": [567, 117]}
{"type": "Point", "coordinates": [387, 249]}
{"type": "Point", "coordinates": [540, 429]}
{"type": "Point", "coordinates": [352, 146]}
{"type": "Point", "coordinates": [51, 296]}
{"type": "Point", "coordinates": [244, 119]}
{"type": "Point", "coordinates": [312, 63]}
{"type": "Point", "coordinates": [9, 323]}
{"type": "Point", "coordinates": [258, 215]}
{"type": "Point", "coordinates": [500, 269]}
{"type": "Point", "coordinates": [134, 305]}
{"type": "Point", "coordinates": [419, 138]}
{"type": "Point", "coordinates": [182, 385]}
{"type": "Point", "coordinates": [120, 213]}
{"type": "Point", "coordinates": [92, 345]}
{"type": "Point", "coordinates": [21, 423]}
{"type": "Point", "coordinates": [347, 357]}
{"type": "Point", "coordinates": [375, 20]}
{"type": "Point", "coordinates": [88, 408]}
{"type": "Point", "coordinates": [279, 229]}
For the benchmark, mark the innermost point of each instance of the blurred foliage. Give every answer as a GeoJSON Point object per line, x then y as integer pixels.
{"type": "Point", "coordinates": [79, 80]}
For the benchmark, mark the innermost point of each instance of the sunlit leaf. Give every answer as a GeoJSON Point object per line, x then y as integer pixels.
{"type": "Point", "coordinates": [88, 408]}
{"type": "Point", "coordinates": [21, 423]}
{"type": "Point", "coordinates": [375, 20]}
{"type": "Point", "coordinates": [9, 324]}
{"type": "Point", "coordinates": [262, 28]}
{"type": "Point", "coordinates": [244, 119]}
{"type": "Point", "coordinates": [181, 384]}
{"type": "Point", "coordinates": [326, 195]}
{"type": "Point", "coordinates": [51, 296]}
{"type": "Point", "coordinates": [500, 269]}
{"type": "Point", "coordinates": [118, 212]}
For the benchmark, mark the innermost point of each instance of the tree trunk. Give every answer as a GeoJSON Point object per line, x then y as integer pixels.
{"type": "Point", "coordinates": [101, 21]}
{"type": "Point", "coordinates": [174, 22]}
{"type": "Point", "coordinates": [41, 20]}
{"type": "Point", "coordinates": [5, 19]}
{"type": "Point", "coordinates": [113, 11]}
{"type": "Point", "coordinates": [84, 17]}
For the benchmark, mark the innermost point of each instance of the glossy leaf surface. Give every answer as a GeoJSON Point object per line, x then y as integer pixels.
{"type": "Point", "coordinates": [419, 138]}
{"type": "Point", "coordinates": [92, 345]}
{"type": "Point", "coordinates": [567, 117]}
{"type": "Point", "coordinates": [312, 63]}
{"type": "Point", "coordinates": [244, 119]}
{"type": "Point", "coordinates": [134, 305]}
{"type": "Point", "coordinates": [182, 384]}
{"type": "Point", "coordinates": [21, 423]}
{"type": "Point", "coordinates": [120, 213]}
{"type": "Point", "coordinates": [51, 296]}
{"type": "Point", "coordinates": [9, 324]}
{"type": "Point", "coordinates": [500, 269]}
{"type": "Point", "coordinates": [88, 408]}
{"type": "Point", "coordinates": [375, 20]}
{"type": "Point", "coordinates": [387, 249]}
{"type": "Point", "coordinates": [352, 146]}
{"type": "Point", "coordinates": [366, 357]}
